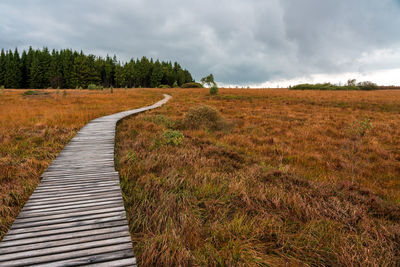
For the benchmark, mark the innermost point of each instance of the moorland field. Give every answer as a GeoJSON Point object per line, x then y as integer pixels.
{"type": "Point", "coordinates": [245, 177]}
{"type": "Point", "coordinates": [36, 125]}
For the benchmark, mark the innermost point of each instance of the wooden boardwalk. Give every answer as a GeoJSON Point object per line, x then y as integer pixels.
{"type": "Point", "coordinates": [76, 215]}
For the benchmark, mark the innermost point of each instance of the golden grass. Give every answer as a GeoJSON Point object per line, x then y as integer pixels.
{"type": "Point", "coordinates": [270, 187]}
{"type": "Point", "coordinates": [34, 129]}
{"type": "Point", "coordinates": [274, 189]}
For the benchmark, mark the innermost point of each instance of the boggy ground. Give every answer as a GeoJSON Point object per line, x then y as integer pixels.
{"type": "Point", "coordinates": [35, 127]}
{"type": "Point", "coordinates": [285, 179]}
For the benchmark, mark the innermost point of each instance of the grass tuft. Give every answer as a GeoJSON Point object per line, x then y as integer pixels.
{"type": "Point", "coordinates": [204, 117]}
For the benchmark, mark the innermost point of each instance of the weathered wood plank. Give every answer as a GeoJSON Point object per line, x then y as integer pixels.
{"type": "Point", "coordinates": [84, 195]}
{"type": "Point", "coordinates": [70, 219]}
{"type": "Point", "coordinates": [74, 185]}
{"type": "Point", "coordinates": [66, 217]}
{"type": "Point", "coordinates": [64, 242]}
{"type": "Point", "coordinates": [95, 259]}
{"type": "Point", "coordinates": [89, 191]}
{"type": "Point", "coordinates": [73, 199]}
{"type": "Point", "coordinates": [33, 206]}
{"type": "Point", "coordinates": [64, 230]}
{"type": "Point", "coordinates": [65, 248]}
{"type": "Point", "coordinates": [66, 225]}
{"type": "Point", "coordinates": [66, 211]}
{"type": "Point", "coordinates": [35, 240]}
{"type": "Point", "coordinates": [116, 263]}
{"type": "Point", "coordinates": [94, 253]}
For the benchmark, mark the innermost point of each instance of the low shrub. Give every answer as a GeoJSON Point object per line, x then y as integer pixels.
{"type": "Point", "coordinates": [367, 86]}
{"type": "Point", "coordinates": [2, 87]}
{"type": "Point", "coordinates": [192, 85]}
{"type": "Point", "coordinates": [164, 86]}
{"type": "Point", "coordinates": [214, 90]}
{"type": "Point", "coordinates": [204, 116]}
{"type": "Point", "coordinates": [323, 86]}
{"type": "Point", "coordinates": [329, 86]}
{"type": "Point", "coordinates": [31, 92]}
{"type": "Point", "coordinates": [93, 86]}
{"type": "Point", "coordinates": [173, 137]}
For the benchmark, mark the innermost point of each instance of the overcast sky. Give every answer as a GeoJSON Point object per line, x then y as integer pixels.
{"type": "Point", "coordinates": [244, 42]}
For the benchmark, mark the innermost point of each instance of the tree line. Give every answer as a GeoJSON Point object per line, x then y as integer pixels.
{"type": "Point", "coordinates": [40, 68]}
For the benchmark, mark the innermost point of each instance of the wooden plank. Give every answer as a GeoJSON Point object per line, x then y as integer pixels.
{"type": "Point", "coordinates": [72, 199]}
{"type": "Point", "coordinates": [65, 248]}
{"type": "Point", "coordinates": [94, 259]}
{"type": "Point", "coordinates": [84, 195]}
{"type": "Point", "coordinates": [116, 263]}
{"type": "Point", "coordinates": [78, 181]}
{"type": "Point", "coordinates": [53, 238]}
{"type": "Point", "coordinates": [60, 176]}
{"type": "Point", "coordinates": [79, 185]}
{"type": "Point", "coordinates": [67, 212]}
{"type": "Point", "coordinates": [80, 170]}
{"type": "Point", "coordinates": [95, 253]}
{"type": "Point", "coordinates": [65, 225]}
{"type": "Point", "coordinates": [71, 208]}
{"type": "Point", "coordinates": [63, 242]}
{"type": "Point", "coordinates": [68, 219]}
{"type": "Point", "coordinates": [64, 230]}
{"type": "Point", "coordinates": [77, 188]}
{"type": "Point", "coordinates": [36, 206]}
{"type": "Point", "coordinates": [88, 191]}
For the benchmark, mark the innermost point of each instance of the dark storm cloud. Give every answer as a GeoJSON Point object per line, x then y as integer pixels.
{"type": "Point", "coordinates": [238, 41]}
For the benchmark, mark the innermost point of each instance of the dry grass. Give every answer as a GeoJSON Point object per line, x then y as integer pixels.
{"type": "Point", "coordinates": [35, 128]}
{"type": "Point", "coordinates": [274, 189]}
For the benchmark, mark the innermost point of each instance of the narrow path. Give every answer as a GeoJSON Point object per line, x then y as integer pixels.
{"type": "Point", "coordinates": [76, 215]}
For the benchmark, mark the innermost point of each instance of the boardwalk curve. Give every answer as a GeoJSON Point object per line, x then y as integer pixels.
{"type": "Point", "coordinates": [76, 215]}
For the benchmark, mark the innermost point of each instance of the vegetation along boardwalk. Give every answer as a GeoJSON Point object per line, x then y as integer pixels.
{"type": "Point", "coordinates": [76, 215]}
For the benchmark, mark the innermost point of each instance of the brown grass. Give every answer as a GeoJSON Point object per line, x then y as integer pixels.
{"type": "Point", "coordinates": [34, 129]}
{"type": "Point", "coordinates": [273, 190]}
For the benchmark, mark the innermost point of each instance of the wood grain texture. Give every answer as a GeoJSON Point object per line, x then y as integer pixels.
{"type": "Point", "coordinates": [76, 215]}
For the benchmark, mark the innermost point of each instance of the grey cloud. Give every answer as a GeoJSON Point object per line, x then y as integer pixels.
{"type": "Point", "coordinates": [239, 41]}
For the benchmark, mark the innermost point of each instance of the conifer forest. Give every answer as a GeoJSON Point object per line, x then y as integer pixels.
{"type": "Point", "coordinates": [41, 68]}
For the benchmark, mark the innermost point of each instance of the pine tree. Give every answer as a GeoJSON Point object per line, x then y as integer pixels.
{"type": "Point", "coordinates": [156, 75]}
{"type": "Point", "coordinates": [81, 71]}
{"type": "Point", "coordinates": [144, 72]}
{"type": "Point", "coordinates": [109, 72]}
{"type": "Point", "coordinates": [45, 61]}
{"type": "Point", "coordinates": [130, 73]}
{"type": "Point", "coordinates": [120, 76]}
{"type": "Point", "coordinates": [27, 67]}
{"type": "Point", "coordinates": [67, 61]}
{"type": "Point", "coordinates": [2, 68]}
{"type": "Point", "coordinates": [93, 73]}
{"type": "Point", "coordinates": [36, 72]}
{"type": "Point", "coordinates": [24, 70]}
{"type": "Point", "coordinates": [17, 69]}
{"type": "Point", "coordinates": [188, 76]}
{"type": "Point", "coordinates": [54, 73]}
{"type": "Point", "coordinates": [13, 70]}
{"type": "Point", "coordinates": [180, 77]}
{"type": "Point", "coordinates": [168, 75]}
